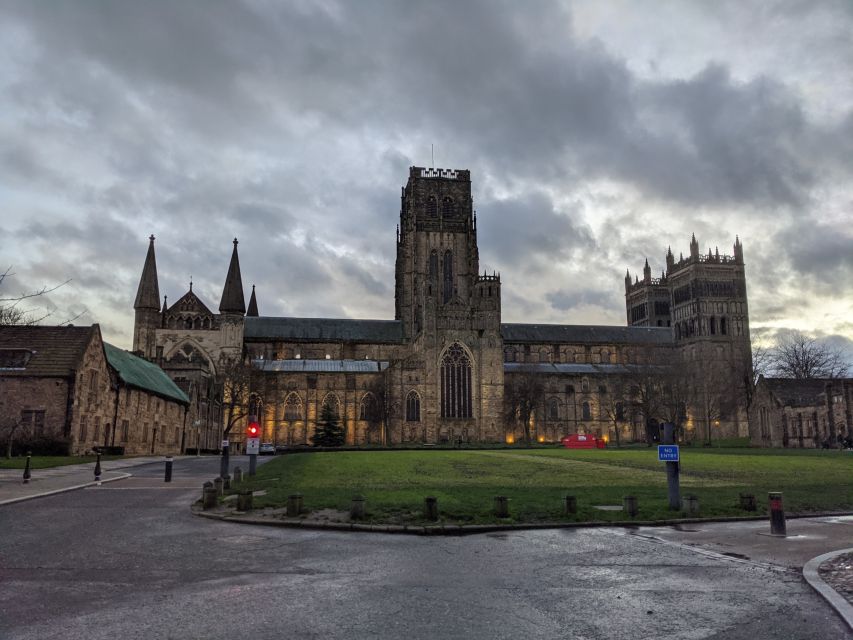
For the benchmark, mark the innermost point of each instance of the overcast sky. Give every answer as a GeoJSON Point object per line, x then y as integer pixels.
{"type": "Point", "coordinates": [597, 133]}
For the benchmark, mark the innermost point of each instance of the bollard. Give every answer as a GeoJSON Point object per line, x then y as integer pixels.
{"type": "Point", "coordinates": [226, 482]}
{"type": "Point", "coordinates": [502, 506]}
{"type": "Point", "coordinates": [294, 504]}
{"type": "Point", "coordinates": [747, 502]}
{"type": "Point", "coordinates": [570, 505]}
{"type": "Point", "coordinates": [630, 505]}
{"type": "Point", "coordinates": [238, 475]}
{"type": "Point", "coordinates": [98, 469]}
{"type": "Point", "coordinates": [690, 505]}
{"type": "Point", "coordinates": [244, 500]}
{"type": "Point", "coordinates": [777, 514]}
{"type": "Point", "coordinates": [27, 474]}
{"type": "Point", "coordinates": [431, 508]}
{"type": "Point", "coordinates": [356, 511]}
{"type": "Point", "coordinates": [168, 469]}
{"type": "Point", "coordinates": [208, 496]}
{"type": "Point", "coordinates": [218, 484]}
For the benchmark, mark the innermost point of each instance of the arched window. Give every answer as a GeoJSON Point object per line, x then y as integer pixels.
{"type": "Point", "coordinates": [553, 409]}
{"type": "Point", "coordinates": [431, 207]}
{"type": "Point", "coordinates": [509, 354]}
{"type": "Point", "coordinates": [447, 208]}
{"type": "Point", "coordinates": [368, 409]}
{"type": "Point", "coordinates": [587, 414]}
{"type": "Point", "coordinates": [455, 383]}
{"type": "Point", "coordinates": [331, 401]}
{"type": "Point", "coordinates": [620, 411]}
{"type": "Point", "coordinates": [447, 292]}
{"type": "Point", "coordinates": [292, 407]}
{"type": "Point", "coordinates": [712, 324]}
{"type": "Point", "coordinates": [433, 266]}
{"type": "Point", "coordinates": [585, 384]}
{"type": "Point", "coordinates": [723, 327]}
{"type": "Point", "coordinates": [413, 407]}
{"type": "Point", "coordinates": [605, 356]}
{"type": "Point", "coordinates": [544, 355]}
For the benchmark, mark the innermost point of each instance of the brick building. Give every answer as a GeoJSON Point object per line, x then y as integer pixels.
{"type": "Point", "coordinates": [64, 384]}
{"type": "Point", "coordinates": [442, 368]}
{"type": "Point", "coordinates": [786, 412]}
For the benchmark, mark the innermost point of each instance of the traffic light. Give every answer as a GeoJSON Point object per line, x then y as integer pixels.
{"type": "Point", "coordinates": [253, 430]}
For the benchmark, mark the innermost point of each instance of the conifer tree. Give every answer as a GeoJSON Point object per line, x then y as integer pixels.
{"type": "Point", "coordinates": [329, 431]}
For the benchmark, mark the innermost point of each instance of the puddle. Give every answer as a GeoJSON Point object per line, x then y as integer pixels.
{"type": "Point", "coordinates": [732, 554]}
{"type": "Point", "coordinates": [684, 529]}
{"type": "Point", "coordinates": [837, 520]}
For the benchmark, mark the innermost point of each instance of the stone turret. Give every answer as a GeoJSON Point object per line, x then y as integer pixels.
{"type": "Point", "coordinates": [147, 306]}
{"type": "Point", "coordinates": [233, 301]}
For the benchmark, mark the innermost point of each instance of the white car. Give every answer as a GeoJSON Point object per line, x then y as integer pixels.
{"type": "Point", "coordinates": [266, 449]}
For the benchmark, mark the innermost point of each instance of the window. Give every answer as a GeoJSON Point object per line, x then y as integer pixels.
{"type": "Point", "coordinates": [509, 354]}
{"type": "Point", "coordinates": [447, 293]}
{"type": "Point", "coordinates": [455, 383]}
{"type": "Point", "coordinates": [723, 327]}
{"type": "Point", "coordinates": [553, 412]}
{"type": "Point", "coordinates": [144, 432]}
{"type": "Point", "coordinates": [431, 207]}
{"type": "Point", "coordinates": [292, 407]}
{"type": "Point", "coordinates": [413, 407]}
{"type": "Point", "coordinates": [125, 430]}
{"type": "Point", "coordinates": [587, 414]}
{"type": "Point", "coordinates": [83, 429]}
{"type": "Point", "coordinates": [97, 435]}
{"type": "Point", "coordinates": [447, 208]}
{"type": "Point", "coordinates": [620, 411]}
{"type": "Point", "coordinates": [368, 408]}
{"type": "Point", "coordinates": [570, 388]}
{"type": "Point", "coordinates": [14, 358]}
{"type": "Point", "coordinates": [602, 388]}
{"type": "Point", "coordinates": [33, 421]}
{"type": "Point", "coordinates": [712, 325]}
{"type": "Point", "coordinates": [331, 401]}
{"type": "Point", "coordinates": [584, 385]}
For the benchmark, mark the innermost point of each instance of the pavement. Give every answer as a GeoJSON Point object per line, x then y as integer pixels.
{"type": "Point", "coordinates": [149, 567]}
{"type": "Point", "coordinates": [46, 482]}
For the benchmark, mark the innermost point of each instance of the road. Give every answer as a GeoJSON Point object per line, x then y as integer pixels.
{"type": "Point", "coordinates": [127, 560]}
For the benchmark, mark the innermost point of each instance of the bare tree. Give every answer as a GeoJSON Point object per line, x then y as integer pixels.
{"type": "Point", "coordinates": [525, 391]}
{"type": "Point", "coordinates": [8, 427]}
{"type": "Point", "coordinates": [13, 309]}
{"type": "Point", "coordinates": [797, 355]}
{"type": "Point", "coordinates": [615, 403]}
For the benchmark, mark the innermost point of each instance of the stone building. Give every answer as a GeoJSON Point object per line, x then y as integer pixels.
{"type": "Point", "coordinates": [786, 412]}
{"type": "Point", "coordinates": [64, 384]}
{"type": "Point", "coordinates": [440, 370]}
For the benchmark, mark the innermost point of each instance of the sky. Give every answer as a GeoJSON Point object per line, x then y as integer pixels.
{"type": "Point", "coordinates": [598, 133]}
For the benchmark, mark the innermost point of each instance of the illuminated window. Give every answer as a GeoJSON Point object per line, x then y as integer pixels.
{"type": "Point", "coordinates": [292, 407]}
{"type": "Point", "coordinates": [455, 383]}
{"type": "Point", "coordinates": [368, 409]}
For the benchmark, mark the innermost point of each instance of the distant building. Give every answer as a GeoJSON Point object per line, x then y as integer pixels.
{"type": "Point", "coordinates": [786, 412]}
{"type": "Point", "coordinates": [64, 384]}
{"type": "Point", "coordinates": [440, 370]}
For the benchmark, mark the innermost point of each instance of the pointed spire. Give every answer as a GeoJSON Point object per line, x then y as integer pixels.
{"type": "Point", "coordinates": [148, 293]}
{"type": "Point", "coordinates": [253, 305]}
{"type": "Point", "coordinates": [165, 306]}
{"type": "Point", "coordinates": [232, 293]}
{"type": "Point", "coordinates": [191, 284]}
{"type": "Point", "coordinates": [694, 247]}
{"type": "Point", "coordinates": [647, 272]}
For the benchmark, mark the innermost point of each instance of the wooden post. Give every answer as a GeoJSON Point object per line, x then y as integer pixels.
{"type": "Point", "coordinates": [244, 500]}
{"type": "Point", "coordinates": [219, 485]}
{"type": "Point", "coordinates": [356, 511]}
{"type": "Point", "coordinates": [631, 505]}
{"type": "Point", "coordinates": [209, 496]}
{"type": "Point", "coordinates": [570, 505]}
{"type": "Point", "coordinates": [294, 504]}
{"type": "Point", "coordinates": [502, 506]}
{"type": "Point", "coordinates": [431, 508]}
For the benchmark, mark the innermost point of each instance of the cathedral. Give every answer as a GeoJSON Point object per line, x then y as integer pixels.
{"type": "Point", "coordinates": [446, 369]}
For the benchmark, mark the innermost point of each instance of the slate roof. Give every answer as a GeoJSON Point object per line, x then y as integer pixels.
{"type": "Point", "coordinates": [568, 333]}
{"type": "Point", "coordinates": [570, 368]}
{"type": "Point", "coordinates": [323, 330]}
{"type": "Point", "coordinates": [139, 373]}
{"type": "Point", "coordinates": [321, 366]}
{"type": "Point", "coordinates": [797, 393]}
{"type": "Point", "coordinates": [56, 351]}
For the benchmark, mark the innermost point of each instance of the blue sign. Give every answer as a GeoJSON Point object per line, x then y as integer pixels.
{"type": "Point", "coordinates": [668, 452]}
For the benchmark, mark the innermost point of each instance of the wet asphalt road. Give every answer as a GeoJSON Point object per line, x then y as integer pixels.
{"type": "Point", "coordinates": [127, 560]}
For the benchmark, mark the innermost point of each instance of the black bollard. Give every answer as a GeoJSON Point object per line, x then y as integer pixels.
{"type": "Point", "coordinates": [777, 514]}
{"type": "Point", "coordinates": [27, 473]}
{"type": "Point", "coordinates": [431, 508]}
{"type": "Point", "coordinates": [98, 469]}
{"type": "Point", "coordinates": [168, 469]}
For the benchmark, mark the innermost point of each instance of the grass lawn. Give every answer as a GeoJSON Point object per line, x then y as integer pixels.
{"type": "Point", "coordinates": [44, 462]}
{"type": "Point", "coordinates": [535, 480]}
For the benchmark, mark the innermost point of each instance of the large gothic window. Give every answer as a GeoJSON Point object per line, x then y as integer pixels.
{"type": "Point", "coordinates": [331, 401]}
{"type": "Point", "coordinates": [553, 409]}
{"type": "Point", "coordinates": [431, 207]}
{"type": "Point", "coordinates": [447, 293]}
{"type": "Point", "coordinates": [413, 407]}
{"type": "Point", "coordinates": [455, 383]}
{"type": "Point", "coordinates": [293, 407]}
{"type": "Point", "coordinates": [447, 209]}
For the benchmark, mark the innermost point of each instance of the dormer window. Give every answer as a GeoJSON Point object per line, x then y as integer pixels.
{"type": "Point", "coordinates": [15, 358]}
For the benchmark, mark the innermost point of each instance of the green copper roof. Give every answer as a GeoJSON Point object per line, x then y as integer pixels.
{"type": "Point", "coordinates": [142, 374]}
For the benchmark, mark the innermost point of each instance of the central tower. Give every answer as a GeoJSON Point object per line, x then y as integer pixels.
{"type": "Point", "coordinates": [450, 313]}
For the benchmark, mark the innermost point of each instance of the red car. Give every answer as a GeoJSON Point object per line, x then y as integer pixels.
{"type": "Point", "coordinates": [579, 441]}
